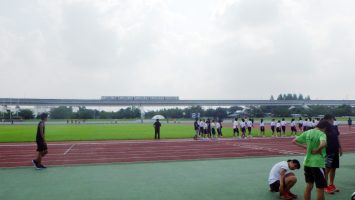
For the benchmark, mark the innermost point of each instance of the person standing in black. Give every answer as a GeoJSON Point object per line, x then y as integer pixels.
{"type": "Point", "coordinates": [333, 151]}
{"type": "Point", "coordinates": [196, 128]}
{"type": "Point", "coordinates": [157, 126]}
{"type": "Point", "coordinates": [42, 149]}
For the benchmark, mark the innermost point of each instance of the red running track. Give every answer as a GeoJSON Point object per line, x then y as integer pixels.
{"type": "Point", "coordinates": [98, 152]}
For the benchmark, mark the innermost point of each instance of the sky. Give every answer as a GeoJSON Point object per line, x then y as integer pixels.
{"type": "Point", "coordinates": [194, 49]}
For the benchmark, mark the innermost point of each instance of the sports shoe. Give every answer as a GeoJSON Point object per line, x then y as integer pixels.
{"type": "Point", "coordinates": [42, 166]}
{"type": "Point", "coordinates": [329, 190]}
{"type": "Point", "coordinates": [293, 195]}
{"type": "Point", "coordinates": [334, 188]}
{"type": "Point", "coordinates": [287, 196]}
{"type": "Point", "coordinates": [35, 164]}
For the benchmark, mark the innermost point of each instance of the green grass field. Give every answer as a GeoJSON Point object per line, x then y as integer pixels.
{"type": "Point", "coordinates": [65, 132]}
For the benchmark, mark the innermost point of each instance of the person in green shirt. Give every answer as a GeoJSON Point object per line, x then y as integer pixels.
{"type": "Point", "coordinates": [314, 141]}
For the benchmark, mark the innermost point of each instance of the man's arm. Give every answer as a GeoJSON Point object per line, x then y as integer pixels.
{"type": "Point", "coordinates": [323, 143]}
{"type": "Point", "coordinates": [41, 131]}
{"type": "Point", "coordinates": [294, 141]}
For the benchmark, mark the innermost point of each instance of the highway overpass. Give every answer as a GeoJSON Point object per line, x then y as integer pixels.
{"type": "Point", "coordinates": [101, 102]}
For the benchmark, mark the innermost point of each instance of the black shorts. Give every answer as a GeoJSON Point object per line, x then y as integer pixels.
{"type": "Point", "coordinates": [213, 131]}
{"type": "Point", "coordinates": [283, 128]}
{"type": "Point", "coordinates": [332, 160]}
{"type": "Point", "coordinates": [293, 129]}
{"type": "Point", "coordinates": [41, 146]}
{"type": "Point", "coordinates": [278, 129]}
{"type": "Point", "coordinates": [273, 128]}
{"type": "Point", "coordinates": [315, 174]}
{"type": "Point", "coordinates": [249, 129]}
{"type": "Point", "coordinates": [262, 128]}
{"type": "Point", "coordinates": [275, 187]}
{"type": "Point", "coordinates": [235, 130]}
{"type": "Point", "coordinates": [243, 130]}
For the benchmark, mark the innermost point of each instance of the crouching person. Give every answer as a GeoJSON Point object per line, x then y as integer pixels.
{"type": "Point", "coordinates": [281, 179]}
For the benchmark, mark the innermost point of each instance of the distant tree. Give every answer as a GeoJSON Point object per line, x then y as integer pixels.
{"type": "Point", "coordinates": [233, 109]}
{"type": "Point", "coordinates": [300, 97]}
{"type": "Point", "coordinates": [280, 97]}
{"type": "Point", "coordinates": [308, 98]}
{"type": "Point", "coordinates": [26, 114]}
{"type": "Point", "coordinates": [272, 98]}
{"type": "Point", "coordinates": [284, 96]}
{"type": "Point", "coordinates": [294, 97]}
{"type": "Point", "coordinates": [61, 112]}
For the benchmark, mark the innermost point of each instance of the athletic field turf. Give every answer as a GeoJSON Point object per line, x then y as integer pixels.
{"type": "Point", "coordinates": [223, 179]}
{"type": "Point", "coordinates": [65, 132]}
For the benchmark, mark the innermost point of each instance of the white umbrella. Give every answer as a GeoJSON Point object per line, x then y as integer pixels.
{"type": "Point", "coordinates": [158, 117]}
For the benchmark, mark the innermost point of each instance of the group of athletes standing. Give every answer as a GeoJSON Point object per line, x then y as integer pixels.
{"type": "Point", "coordinates": [208, 128]}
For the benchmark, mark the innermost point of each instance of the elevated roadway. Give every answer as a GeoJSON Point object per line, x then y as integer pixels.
{"type": "Point", "coordinates": [99, 102]}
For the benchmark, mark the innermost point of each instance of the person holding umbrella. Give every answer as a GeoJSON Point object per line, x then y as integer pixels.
{"type": "Point", "coordinates": [157, 126]}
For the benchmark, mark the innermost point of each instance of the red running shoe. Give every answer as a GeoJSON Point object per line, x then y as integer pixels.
{"type": "Point", "coordinates": [293, 195]}
{"type": "Point", "coordinates": [334, 188]}
{"type": "Point", "coordinates": [329, 190]}
{"type": "Point", "coordinates": [287, 196]}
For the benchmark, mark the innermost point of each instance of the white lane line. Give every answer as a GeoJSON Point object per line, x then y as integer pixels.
{"type": "Point", "coordinates": [67, 151]}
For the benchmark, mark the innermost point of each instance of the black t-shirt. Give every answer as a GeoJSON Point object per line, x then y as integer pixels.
{"type": "Point", "coordinates": [38, 136]}
{"type": "Point", "coordinates": [333, 140]}
{"type": "Point", "coordinates": [196, 125]}
{"type": "Point", "coordinates": [157, 125]}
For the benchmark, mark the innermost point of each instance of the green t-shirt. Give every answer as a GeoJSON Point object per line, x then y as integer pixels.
{"type": "Point", "coordinates": [312, 139]}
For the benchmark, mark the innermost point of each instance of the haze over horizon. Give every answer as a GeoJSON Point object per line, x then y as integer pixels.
{"type": "Point", "coordinates": [201, 49]}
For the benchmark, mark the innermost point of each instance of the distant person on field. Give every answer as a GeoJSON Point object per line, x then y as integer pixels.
{"type": "Point", "coordinates": [213, 129]}
{"type": "Point", "coordinates": [278, 128]}
{"type": "Point", "coordinates": [157, 126]}
{"type": "Point", "coordinates": [300, 124]}
{"type": "Point", "coordinates": [235, 128]}
{"type": "Point", "coordinates": [221, 126]}
{"type": "Point", "coordinates": [305, 125]}
{"type": "Point", "coordinates": [249, 125]}
{"type": "Point", "coordinates": [293, 127]}
{"type": "Point", "coordinates": [314, 141]}
{"type": "Point", "coordinates": [208, 122]}
{"type": "Point", "coordinates": [196, 128]}
{"type": "Point", "coordinates": [219, 130]}
{"type": "Point", "coordinates": [272, 125]}
{"type": "Point", "coordinates": [42, 148]}
{"type": "Point", "coordinates": [200, 128]}
{"type": "Point", "coordinates": [281, 179]}
{"type": "Point", "coordinates": [333, 151]}
{"type": "Point", "coordinates": [262, 128]}
{"type": "Point", "coordinates": [283, 126]}
{"type": "Point", "coordinates": [350, 122]}
{"type": "Point", "coordinates": [242, 127]}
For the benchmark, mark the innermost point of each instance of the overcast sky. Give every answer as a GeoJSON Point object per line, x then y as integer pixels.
{"type": "Point", "coordinates": [195, 49]}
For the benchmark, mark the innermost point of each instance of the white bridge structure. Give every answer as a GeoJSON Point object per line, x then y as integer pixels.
{"type": "Point", "coordinates": [163, 101]}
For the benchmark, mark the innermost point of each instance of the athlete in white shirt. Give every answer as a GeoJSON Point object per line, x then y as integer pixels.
{"type": "Point", "coordinates": [235, 127]}
{"type": "Point", "coordinates": [249, 125]}
{"type": "Point", "coordinates": [242, 127]}
{"type": "Point", "coordinates": [283, 126]}
{"type": "Point", "coordinates": [281, 179]}
{"type": "Point", "coordinates": [305, 125]}
{"type": "Point", "coordinates": [262, 127]}
{"type": "Point", "coordinates": [293, 127]}
{"type": "Point", "coordinates": [300, 123]}
{"type": "Point", "coordinates": [213, 129]}
{"type": "Point", "coordinates": [278, 128]}
{"type": "Point", "coordinates": [272, 125]}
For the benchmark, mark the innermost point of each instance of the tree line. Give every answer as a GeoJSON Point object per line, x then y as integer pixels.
{"type": "Point", "coordinates": [63, 112]}
{"type": "Point", "coordinates": [290, 96]}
